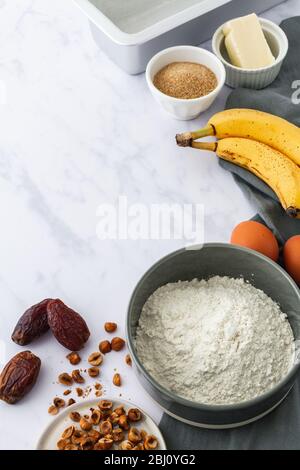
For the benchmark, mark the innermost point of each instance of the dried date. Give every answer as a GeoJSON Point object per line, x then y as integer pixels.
{"type": "Point", "coordinates": [68, 327]}
{"type": "Point", "coordinates": [19, 376]}
{"type": "Point", "coordinates": [32, 324]}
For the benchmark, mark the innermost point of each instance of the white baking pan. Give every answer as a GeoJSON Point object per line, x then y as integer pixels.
{"type": "Point", "coordinates": [132, 31]}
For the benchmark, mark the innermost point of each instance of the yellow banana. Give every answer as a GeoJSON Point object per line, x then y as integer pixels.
{"type": "Point", "coordinates": [273, 167]}
{"type": "Point", "coordinates": [251, 124]}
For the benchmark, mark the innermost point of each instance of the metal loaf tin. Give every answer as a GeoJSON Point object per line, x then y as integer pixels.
{"type": "Point", "coordinates": [132, 31]}
{"type": "Point", "coordinates": [224, 260]}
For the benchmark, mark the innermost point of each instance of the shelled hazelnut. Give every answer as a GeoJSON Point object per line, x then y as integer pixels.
{"type": "Point", "coordinates": [110, 327]}
{"type": "Point", "coordinates": [134, 414]}
{"type": "Point", "coordinates": [65, 379]}
{"type": "Point", "coordinates": [85, 424]}
{"type": "Point", "coordinates": [117, 344]}
{"type": "Point", "coordinates": [151, 442]}
{"type": "Point", "coordinates": [93, 371]}
{"type": "Point", "coordinates": [53, 410]}
{"type": "Point", "coordinates": [77, 377]}
{"type": "Point", "coordinates": [59, 402]}
{"type": "Point", "coordinates": [75, 416]}
{"type": "Point", "coordinates": [105, 347]}
{"type": "Point", "coordinates": [95, 359]}
{"type": "Point", "coordinates": [117, 380]}
{"type": "Point", "coordinates": [74, 358]}
{"type": "Point", "coordinates": [128, 360]}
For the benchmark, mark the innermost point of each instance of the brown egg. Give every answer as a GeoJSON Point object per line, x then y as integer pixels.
{"type": "Point", "coordinates": [256, 236]}
{"type": "Point", "coordinates": [291, 256]}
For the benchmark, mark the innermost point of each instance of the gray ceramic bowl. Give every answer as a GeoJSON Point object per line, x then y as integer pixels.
{"type": "Point", "coordinates": [202, 263]}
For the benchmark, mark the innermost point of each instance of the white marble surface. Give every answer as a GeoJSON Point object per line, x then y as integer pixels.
{"type": "Point", "coordinates": [77, 132]}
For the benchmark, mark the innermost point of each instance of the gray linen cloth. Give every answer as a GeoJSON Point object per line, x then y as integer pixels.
{"type": "Point", "coordinates": [281, 428]}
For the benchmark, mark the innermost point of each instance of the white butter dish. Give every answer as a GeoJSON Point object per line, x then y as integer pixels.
{"type": "Point", "coordinates": [253, 78]}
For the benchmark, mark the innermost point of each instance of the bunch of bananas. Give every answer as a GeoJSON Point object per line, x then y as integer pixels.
{"type": "Point", "coordinates": [266, 145]}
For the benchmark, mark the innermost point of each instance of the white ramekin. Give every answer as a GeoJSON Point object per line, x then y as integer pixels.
{"type": "Point", "coordinates": [181, 108]}
{"type": "Point", "coordinates": [254, 78]}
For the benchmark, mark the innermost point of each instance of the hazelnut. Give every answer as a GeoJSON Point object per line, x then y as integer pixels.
{"type": "Point", "coordinates": [74, 358]}
{"type": "Point", "coordinates": [71, 447]}
{"type": "Point", "coordinates": [120, 411]}
{"type": "Point", "coordinates": [117, 380]}
{"type": "Point", "coordinates": [134, 435]}
{"type": "Point", "coordinates": [126, 445]}
{"type": "Point", "coordinates": [87, 443]}
{"type": "Point", "coordinates": [67, 392]}
{"type": "Point", "coordinates": [53, 410]}
{"type": "Point", "coordinates": [79, 391]}
{"type": "Point", "coordinates": [94, 371]}
{"type": "Point", "coordinates": [95, 435]}
{"type": "Point", "coordinates": [117, 344]}
{"type": "Point", "coordinates": [118, 435]}
{"type": "Point", "coordinates": [77, 377]}
{"type": "Point", "coordinates": [105, 347]}
{"type": "Point", "coordinates": [105, 427]}
{"type": "Point", "coordinates": [65, 379]}
{"type": "Point", "coordinates": [71, 401]}
{"type": "Point", "coordinates": [97, 446]}
{"type": "Point", "coordinates": [123, 422]}
{"type": "Point", "coordinates": [96, 417]}
{"type": "Point", "coordinates": [128, 360]}
{"type": "Point", "coordinates": [110, 327]}
{"type": "Point", "coordinates": [114, 418]}
{"type": "Point", "coordinates": [105, 405]}
{"type": "Point", "coordinates": [139, 446]}
{"type": "Point", "coordinates": [105, 443]}
{"type": "Point", "coordinates": [107, 413]}
{"type": "Point", "coordinates": [134, 414]}
{"type": "Point", "coordinates": [95, 359]}
{"type": "Point", "coordinates": [85, 424]}
{"type": "Point", "coordinates": [75, 416]}
{"type": "Point", "coordinates": [150, 442]}
{"type": "Point", "coordinates": [77, 437]}
{"type": "Point", "coordinates": [61, 444]}
{"type": "Point", "coordinates": [59, 402]}
{"type": "Point", "coordinates": [68, 432]}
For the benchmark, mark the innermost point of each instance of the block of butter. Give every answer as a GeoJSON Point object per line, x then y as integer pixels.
{"type": "Point", "coordinates": [246, 44]}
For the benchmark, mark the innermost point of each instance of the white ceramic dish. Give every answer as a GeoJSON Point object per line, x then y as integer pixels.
{"type": "Point", "coordinates": [53, 431]}
{"type": "Point", "coordinates": [254, 78]}
{"type": "Point", "coordinates": [181, 108]}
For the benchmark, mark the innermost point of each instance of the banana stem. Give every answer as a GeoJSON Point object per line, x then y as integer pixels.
{"type": "Point", "coordinates": [185, 139]}
{"type": "Point", "coordinates": [211, 146]}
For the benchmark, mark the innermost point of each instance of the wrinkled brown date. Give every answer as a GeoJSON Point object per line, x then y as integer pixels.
{"type": "Point", "coordinates": [68, 327]}
{"type": "Point", "coordinates": [19, 376]}
{"type": "Point", "coordinates": [32, 324]}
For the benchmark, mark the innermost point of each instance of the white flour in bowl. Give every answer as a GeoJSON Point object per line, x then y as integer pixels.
{"type": "Point", "coordinates": [220, 341]}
